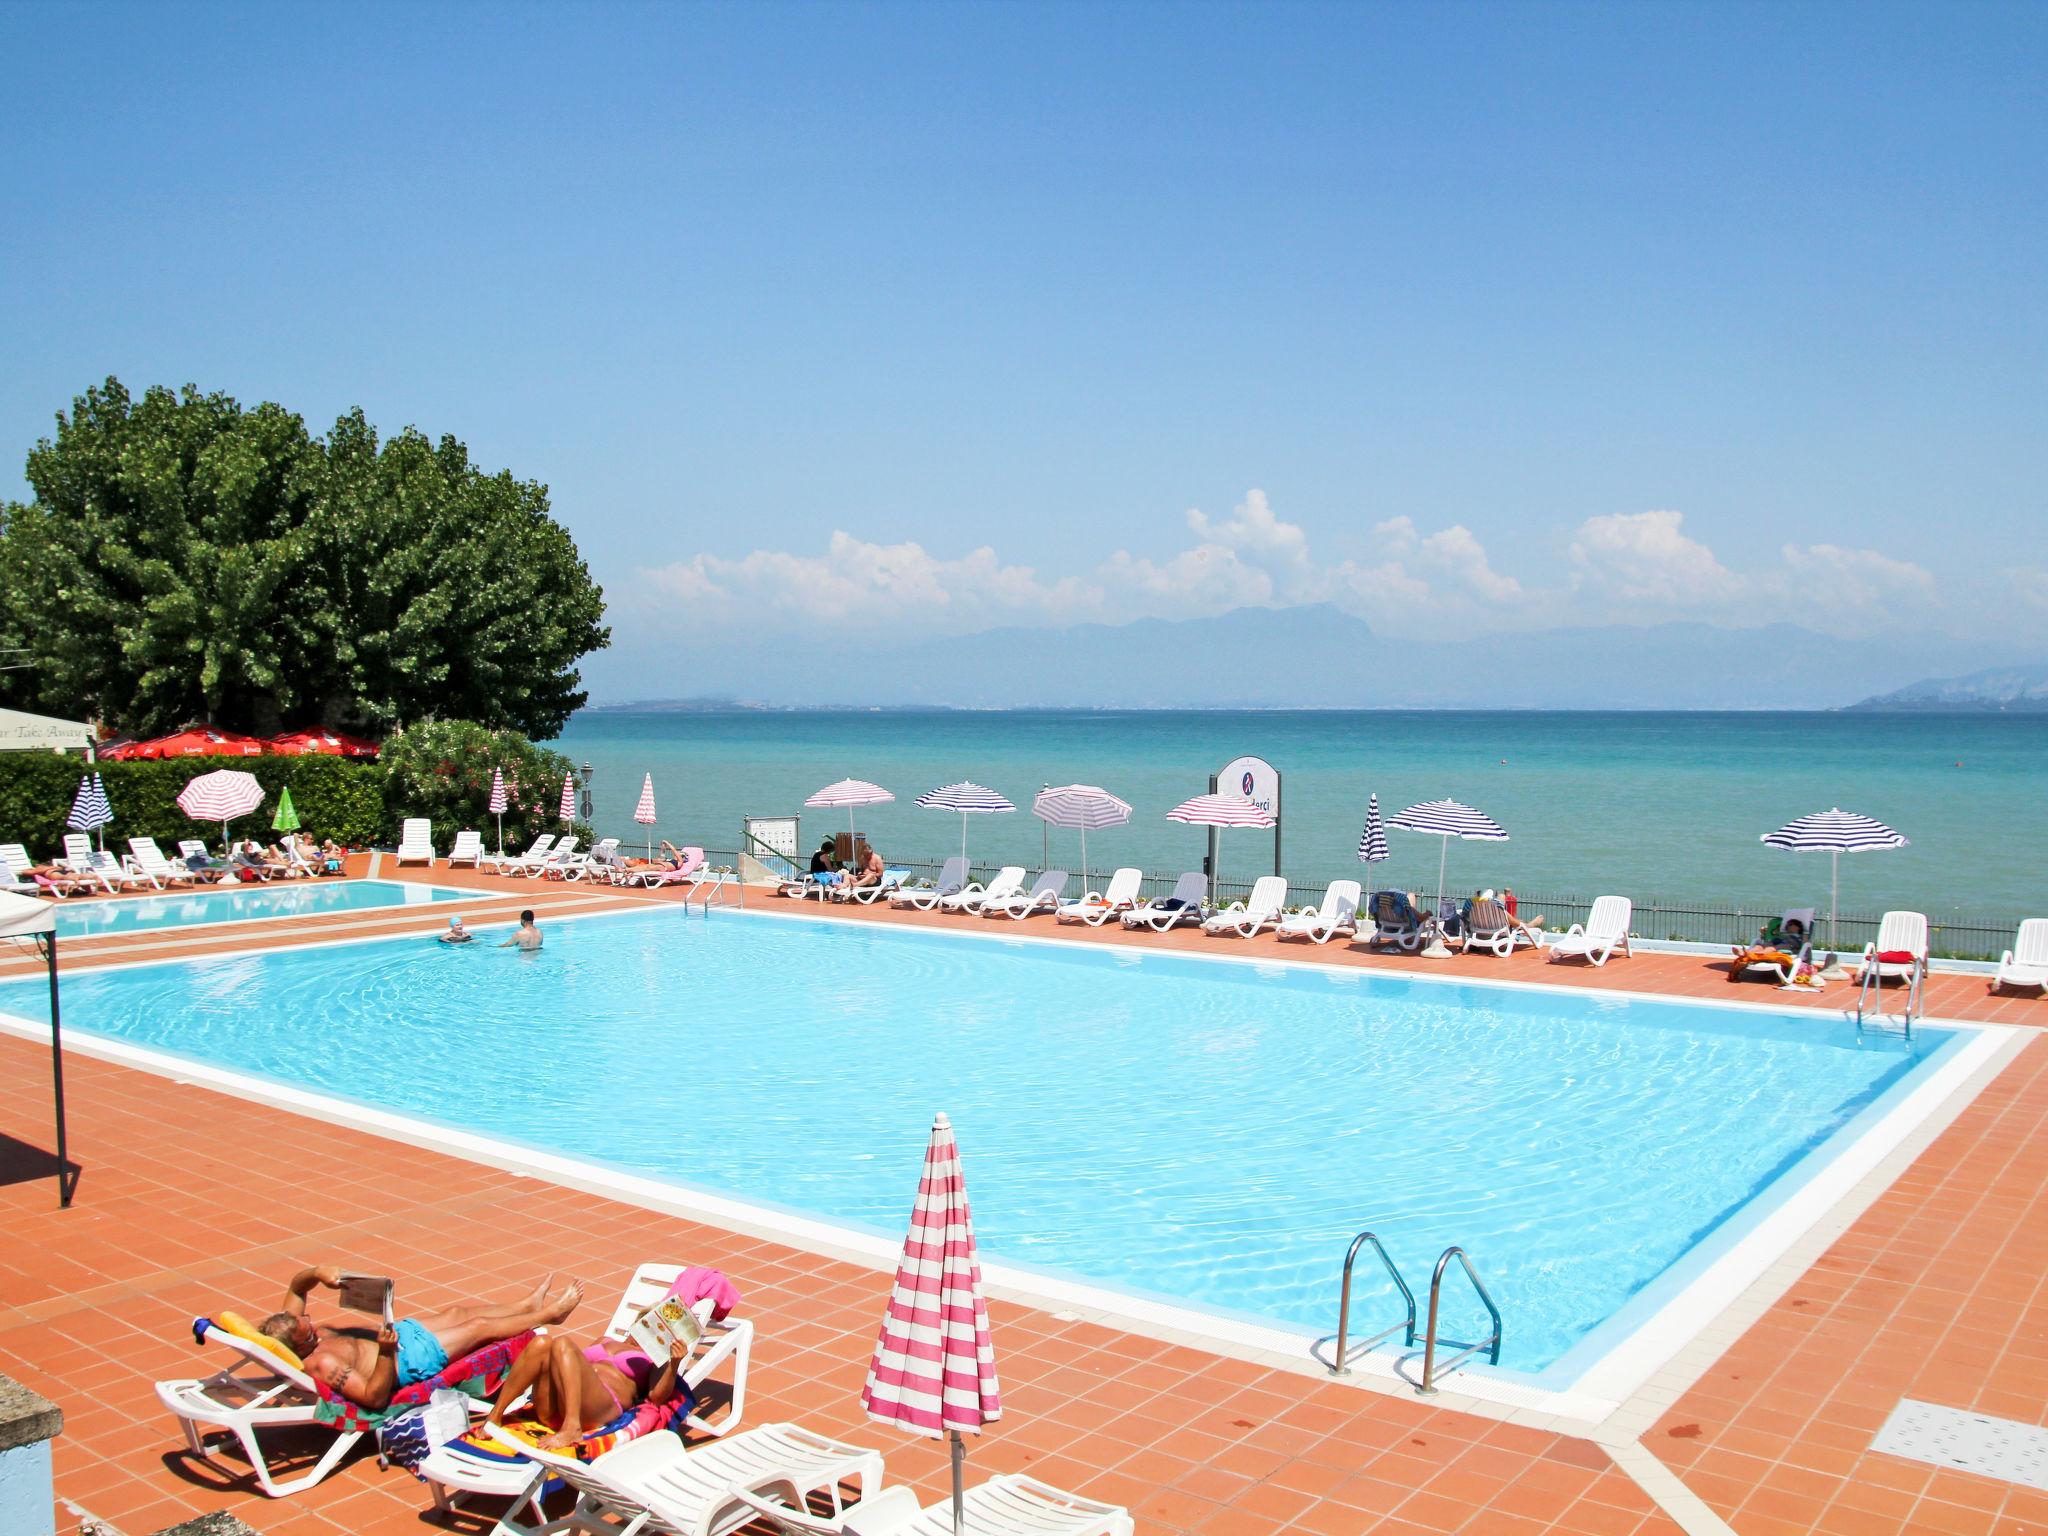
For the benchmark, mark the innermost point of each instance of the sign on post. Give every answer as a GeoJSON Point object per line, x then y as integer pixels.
{"type": "Point", "coordinates": [1259, 782]}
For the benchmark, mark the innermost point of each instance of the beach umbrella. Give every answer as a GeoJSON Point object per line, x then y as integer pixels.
{"type": "Point", "coordinates": [1081, 806]}
{"type": "Point", "coordinates": [1372, 842]}
{"type": "Point", "coordinates": [1220, 810]}
{"type": "Point", "coordinates": [499, 800]}
{"type": "Point", "coordinates": [287, 818]}
{"type": "Point", "coordinates": [1835, 833]}
{"type": "Point", "coordinates": [969, 799]}
{"type": "Point", "coordinates": [934, 1369]}
{"type": "Point", "coordinates": [1448, 819]}
{"type": "Point", "coordinates": [319, 741]}
{"type": "Point", "coordinates": [220, 796]}
{"type": "Point", "coordinates": [197, 741]}
{"type": "Point", "coordinates": [568, 797]}
{"type": "Point", "coordinates": [90, 809]}
{"type": "Point", "coordinates": [644, 811]}
{"type": "Point", "coordinates": [850, 793]}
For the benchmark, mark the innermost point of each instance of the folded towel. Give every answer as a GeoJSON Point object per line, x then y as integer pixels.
{"type": "Point", "coordinates": [697, 1282]}
{"type": "Point", "coordinates": [1896, 957]}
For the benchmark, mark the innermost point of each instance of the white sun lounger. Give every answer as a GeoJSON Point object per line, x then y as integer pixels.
{"type": "Point", "coordinates": [1008, 1505]}
{"type": "Point", "coordinates": [511, 863]}
{"type": "Point", "coordinates": [1044, 896]}
{"type": "Point", "coordinates": [1784, 973]}
{"type": "Point", "coordinates": [113, 874]}
{"type": "Point", "coordinates": [654, 876]}
{"type": "Point", "coordinates": [1898, 933]}
{"type": "Point", "coordinates": [468, 849]}
{"type": "Point", "coordinates": [1245, 918]}
{"type": "Point", "coordinates": [1488, 926]}
{"type": "Point", "coordinates": [653, 1484]}
{"type": "Point", "coordinates": [1184, 905]}
{"type": "Point", "coordinates": [881, 890]}
{"type": "Point", "coordinates": [1099, 907]}
{"type": "Point", "coordinates": [598, 863]}
{"type": "Point", "coordinates": [15, 864]}
{"type": "Point", "coordinates": [1337, 915]}
{"type": "Point", "coordinates": [416, 842]}
{"type": "Point", "coordinates": [1009, 881]}
{"type": "Point", "coordinates": [149, 860]}
{"type": "Point", "coordinates": [2026, 963]}
{"type": "Point", "coordinates": [456, 1476]}
{"type": "Point", "coordinates": [1603, 932]}
{"type": "Point", "coordinates": [952, 879]}
{"type": "Point", "coordinates": [259, 1391]}
{"type": "Point", "coordinates": [562, 854]}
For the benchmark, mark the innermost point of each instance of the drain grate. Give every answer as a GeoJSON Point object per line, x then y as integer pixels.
{"type": "Point", "coordinates": [1969, 1442]}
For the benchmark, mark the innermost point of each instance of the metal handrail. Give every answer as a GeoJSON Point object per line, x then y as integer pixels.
{"type": "Point", "coordinates": [1436, 1285]}
{"type": "Point", "coordinates": [1337, 1365]}
{"type": "Point", "coordinates": [1872, 982]}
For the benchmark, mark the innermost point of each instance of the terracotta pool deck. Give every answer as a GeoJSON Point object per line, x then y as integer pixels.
{"type": "Point", "coordinates": [191, 1199]}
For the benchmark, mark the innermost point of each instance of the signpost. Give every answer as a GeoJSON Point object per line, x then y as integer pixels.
{"type": "Point", "coordinates": [1259, 782]}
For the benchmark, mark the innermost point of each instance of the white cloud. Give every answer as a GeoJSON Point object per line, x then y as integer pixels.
{"type": "Point", "coordinates": [1623, 567]}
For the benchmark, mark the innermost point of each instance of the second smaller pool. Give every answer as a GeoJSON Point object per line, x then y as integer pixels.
{"type": "Point", "coordinates": [239, 904]}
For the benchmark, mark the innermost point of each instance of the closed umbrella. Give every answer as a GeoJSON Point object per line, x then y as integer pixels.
{"type": "Point", "coordinates": [221, 796]}
{"type": "Point", "coordinates": [968, 799]}
{"type": "Point", "coordinates": [499, 800]}
{"type": "Point", "coordinates": [1835, 833]}
{"type": "Point", "coordinates": [850, 793]}
{"type": "Point", "coordinates": [1081, 806]}
{"type": "Point", "coordinates": [90, 809]}
{"type": "Point", "coordinates": [934, 1368]}
{"type": "Point", "coordinates": [568, 806]}
{"type": "Point", "coordinates": [287, 818]}
{"type": "Point", "coordinates": [644, 812]}
{"type": "Point", "coordinates": [1220, 810]}
{"type": "Point", "coordinates": [1372, 842]}
{"type": "Point", "coordinates": [1448, 819]}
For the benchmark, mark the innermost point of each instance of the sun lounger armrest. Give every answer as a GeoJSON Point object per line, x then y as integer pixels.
{"type": "Point", "coordinates": [879, 1514]}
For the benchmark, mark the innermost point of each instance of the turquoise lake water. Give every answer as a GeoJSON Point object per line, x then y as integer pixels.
{"type": "Point", "coordinates": [1668, 806]}
{"type": "Point", "coordinates": [1208, 1131]}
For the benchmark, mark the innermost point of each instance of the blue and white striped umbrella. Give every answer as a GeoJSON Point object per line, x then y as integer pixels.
{"type": "Point", "coordinates": [1834, 832]}
{"type": "Point", "coordinates": [1082, 806]}
{"type": "Point", "coordinates": [1372, 842]}
{"type": "Point", "coordinates": [90, 808]}
{"type": "Point", "coordinates": [967, 799]}
{"type": "Point", "coordinates": [1448, 819]}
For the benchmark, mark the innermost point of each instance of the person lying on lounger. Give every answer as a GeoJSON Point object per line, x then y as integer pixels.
{"type": "Point", "coordinates": [366, 1365]}
{"type": "Point", "coordinates": [579, 1387]}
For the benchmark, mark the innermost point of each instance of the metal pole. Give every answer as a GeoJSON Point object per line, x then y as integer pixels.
{"type": "Point", "coordinates": [1044, 837]}
{"type": "Point", "coordinates": [1834, 893]}
{"type": "Point", "coordinates": [1276, 823]}
{"type": "Point", "coordinates": [64, 1184]}
{"type": "Point", "coordinates": [959, 1482]}
{"type": "Point", "coordinates": [1215, 853]}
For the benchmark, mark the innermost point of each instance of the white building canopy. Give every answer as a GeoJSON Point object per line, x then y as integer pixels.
{"type": "Point", "coordinates": [21, 732]}
{"type": "Point", "coordinates": [24, 915]}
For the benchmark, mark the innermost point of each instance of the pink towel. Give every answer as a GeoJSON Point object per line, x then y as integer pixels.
{"type": "Point", "coordinates": [696, 1283]}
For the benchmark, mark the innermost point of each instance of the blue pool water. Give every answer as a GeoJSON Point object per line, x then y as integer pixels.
{"type": "Point", "coordinates": [239, 904]}
{"type": "Point", "coordinates": [1210, 1132]}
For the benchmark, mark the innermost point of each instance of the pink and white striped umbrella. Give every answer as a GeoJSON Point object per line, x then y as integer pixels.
{"type": "Point", "coordinates": [568, 797]}
{"type": "Point", "coordinates": [499, 799]}
{"type": "Point", "coordinates": [644, 811]}
{"type": "Point", "coordinates": [220, 795]}
{"type": "Point", "coordinates": [1220, 811]}
{"type": "Point", "coordinates": [1082, 806]}
{"type": "Point", "coordinates": [849, 793]}
{"type": "Point", "coordinates": [934, 1370]}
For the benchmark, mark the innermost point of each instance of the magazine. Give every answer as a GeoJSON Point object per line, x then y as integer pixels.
{"type": "Point", "coordinates": [662, 1326]}
{"type": "Point", "coordinates": [368, 1293]}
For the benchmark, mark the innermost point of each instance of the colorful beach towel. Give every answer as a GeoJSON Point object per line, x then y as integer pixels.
{"type": "Point", "coordinates": [477, 1374]}
{"type": "Point", "coordinates": [641, 1419]}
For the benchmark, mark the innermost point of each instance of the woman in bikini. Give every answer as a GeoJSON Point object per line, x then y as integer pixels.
{"type": "Point", "coordinates": [578, 1387]}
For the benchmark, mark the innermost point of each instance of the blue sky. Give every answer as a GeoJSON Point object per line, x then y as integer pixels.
{"type": "Point", "coordinates": [1481, 316]}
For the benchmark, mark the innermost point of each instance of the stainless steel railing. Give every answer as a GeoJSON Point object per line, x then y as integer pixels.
{"type": "Point", "coordinates": [1339, 1365]}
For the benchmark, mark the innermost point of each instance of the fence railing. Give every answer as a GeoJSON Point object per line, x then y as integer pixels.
{"type": "Point", "coordinates": [1959, 938]}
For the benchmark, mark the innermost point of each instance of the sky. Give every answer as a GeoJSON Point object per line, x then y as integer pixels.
{"type": "Point", "coordinates": [961, 317]}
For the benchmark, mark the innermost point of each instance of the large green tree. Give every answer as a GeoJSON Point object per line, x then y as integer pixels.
{"type": "Point", "coordinates": [187, 559]}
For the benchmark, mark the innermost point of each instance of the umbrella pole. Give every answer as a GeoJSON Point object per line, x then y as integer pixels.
{"type": "Point", "coordinates": [963, 835]}
{"type": "Point", "coordinates": [959, 1482]}
{"type": "Point", "coordinates": [1834, 891]}
{"type": "Point", "coordinates": [1084, 861]}
{"type": "Point", "coordinates": [1443, 855]}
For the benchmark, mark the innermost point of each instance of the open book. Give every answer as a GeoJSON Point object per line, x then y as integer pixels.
{"type": "Point", "coordinates": [662, 1326]}
{"type": "Point", "coordinates": [368, 1293]}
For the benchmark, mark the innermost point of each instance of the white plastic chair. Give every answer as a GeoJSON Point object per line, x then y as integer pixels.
{"type": "Point", "coordinates": [150, 861]}
{"type": "Point", "coordinates": [1898, 933]}
{"type": "Point", "coordinates": [468, 849]}
{"type": "Point", "coordinates": [1044, 896]}
{"type": "Point", "coordinates": [971, 897]}
{"type": "Point", "coordinates": [1261, 910]}
{"type": "Point", "coordinates": [416, 842]}
{"type": "Point", "coordinates": [1098, 907]}
{"type": "Point", "coordinates": [1337, 915]}
{"type": "Point", "coordinates": [2026, 963]}
{"type": "Point", "coordinates": [512, 863]}
{"type": "Point", "coordinates": [1596, 939]}
{"type": "Point", "coordinates": [1007, 1505]}
{"type": "Point", "coordinates": [952, 880]}
{"type": "Point", "coordinates": [1184, 905]}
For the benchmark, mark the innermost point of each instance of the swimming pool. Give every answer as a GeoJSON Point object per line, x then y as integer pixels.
{"type": "Point", "coordinates": [240, 904]}
{"type": "Point", "coordinates": [1174, 1126]}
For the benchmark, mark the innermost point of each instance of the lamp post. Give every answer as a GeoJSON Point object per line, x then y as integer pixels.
{"type": "Point", "coordinates": [586, 791]}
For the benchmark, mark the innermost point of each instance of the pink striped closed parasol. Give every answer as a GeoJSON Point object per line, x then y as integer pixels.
{"type": "Point", "coordinates": [499, 800]}
{"type": "Point", "coordinates": [568, 797]}
{"type": "Point", "coordinates": [934, 1370]}
{"type": "Point", "coordinates": [644, 811]}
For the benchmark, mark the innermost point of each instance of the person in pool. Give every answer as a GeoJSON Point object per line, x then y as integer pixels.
{"type": "Point", "coordinates": [526, 936]}
{"type": "Point", "coordinates": [366, 1365]}
{"type": "Point", "coordinates": [456, 934]}
{"type": "Point", "coordinates": [577, 1387]}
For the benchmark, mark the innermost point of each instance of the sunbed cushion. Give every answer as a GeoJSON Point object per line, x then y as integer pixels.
{"type": "Point", "coordinates": [1896, 957]}
{"type": "Point", "coordinates": [239, 1326]}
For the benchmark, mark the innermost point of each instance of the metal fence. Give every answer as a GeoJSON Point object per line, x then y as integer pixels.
{"type": "Point", "coordinates": [1955, 938]}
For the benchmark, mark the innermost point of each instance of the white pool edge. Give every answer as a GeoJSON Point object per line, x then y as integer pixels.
{"type": "Point", "coordinates": [1593, 1397]}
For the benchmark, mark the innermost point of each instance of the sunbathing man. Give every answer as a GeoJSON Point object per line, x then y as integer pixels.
{"type": "Point", "coordinates": [578, 1388]}
{"type": "Point", "coordinates": [366, 1365]}
{"type": "Point", "coordinates": [868, 873]}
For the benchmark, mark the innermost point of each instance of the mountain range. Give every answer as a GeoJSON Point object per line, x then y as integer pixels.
{"type": "Point", "coordinates": [2020, 690]}
{"type": "Point", "coordinates": [1310, 657]}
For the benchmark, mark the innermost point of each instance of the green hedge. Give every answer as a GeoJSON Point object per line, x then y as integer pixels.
{"type": "Point", "coordinates": [335, 797]}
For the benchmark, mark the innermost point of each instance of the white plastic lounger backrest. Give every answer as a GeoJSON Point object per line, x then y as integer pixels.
{"type": "Point", "coordinates": [77, 848]}
{"type": "Point", "coordinates": [1050, 883]}
{"type": "Point", "coordinates": [192, 848]}
{"type": "Point", "coordinates": [541, 847]}
{"type": "Point", "coordinates": [952, 875]}
{"type": "Point", "coordinates": [2030, 945]}
{"type": "Point", "coordinates": [565, 850]}
{"type": "Point", "coordinates": [263, 1357]}
{"type": "Point", "coordinates": [1340, 901]}
{"type": "Point", "coordinates": [1123, 886]}
{"type": "Point", "coordinates": [1903, 931]}
{"type": "Point", "coordinates": [1009, 881]}
{"type": "Point", "coordinates": [466, 843]}
{"type": "Point", "coordinates": [1609, 918]}
{"type": "Point", "coordinates": [417, 832]}
{"type": "Point", "coordinates": [1268, 895]}
{"type": "Point", "coordinates": [147, 854]}
{"type": "Point", "coordinates": [604, 850]}
{"type": "Point", "coordinates": [16, 860]}
{"type": "Point", "coordinates": [1190, 888]}
{"type": "Point", "coordinates": [586, 1477]}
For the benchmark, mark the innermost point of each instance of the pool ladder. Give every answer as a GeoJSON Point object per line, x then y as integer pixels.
{"type": "Point", "coordinates": [1870, 989]}
{"type": "Point", "coordinates": [1340, 1361]}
